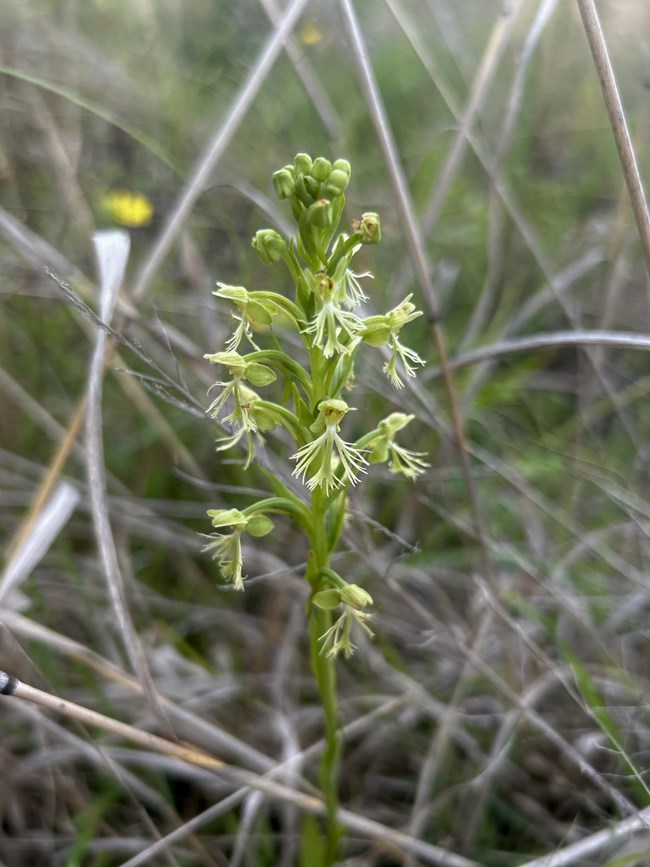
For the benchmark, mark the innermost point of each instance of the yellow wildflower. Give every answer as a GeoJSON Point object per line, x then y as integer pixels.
{"type": "Point", "coordinates": [310, 34]}
{"type": "Point", "coordinates": [128, 208]}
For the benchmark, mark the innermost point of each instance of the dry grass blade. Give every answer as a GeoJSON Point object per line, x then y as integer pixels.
{"type": "Point", "coordinates": [416, 246]}
{"type": "Point", "coordinates": [202, 730]}
{"type": "Point", "coordinates": [496, 46]}
{"type": "Point", "coordinates": [131, 386]}
{"type": "Point", "coordinates": [50, 520]}
{"type": "Point", "coordinates": [487, 296]}
{"type": "Point", "coordinates": [50, 479]}
{"type": "Point", "coordinates": [596, 844]}
{"type": "Point", "coordinates": [307, 75]}
{"type": "Point", "coordinates": [35, 249]}
{"type": "Point", "coordinates": [71, 191]}
{"type": "Point", "coordinates": [112, 254]}
{"type": "Point", "coordinates": [618, 123]}
{"type": "Point", "coordinates": [216, 147]}
{"type": "Point", "coordinates": [556, 340]}
{"type": "Point", "coordinates": [11, 687]}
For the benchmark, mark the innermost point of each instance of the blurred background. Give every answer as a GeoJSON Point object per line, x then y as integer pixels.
{"type": "Point", "coordinates": [501, 710]}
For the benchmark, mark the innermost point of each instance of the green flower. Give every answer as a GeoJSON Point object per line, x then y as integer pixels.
{"type": "Point", "coordinates": [405, 312]}
{"type": "Point", "coordinates": [382, 330]}
{"type": "Point", "coordinates": [241, 299]}
{"type": "Point", "coordinates": [239, 369]}
{"type": "Point", "coordinates": [337, 638]}
{"type": "Point", "coordinates": [331, 321]}
{"type": "Point", "coordinates": [319, 457]}
{"type": "Point", "coordinates": [383, 448]}
{"type": "Point", "coordinates": [349, 291]}
{"type": "Point", "coordinates": [243, 415]}
{"type": "Point", "coordinates": [227, 547]}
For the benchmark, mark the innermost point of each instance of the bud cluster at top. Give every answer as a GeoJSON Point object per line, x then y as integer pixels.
{"type": "Point", "coordinates": [308, 181]}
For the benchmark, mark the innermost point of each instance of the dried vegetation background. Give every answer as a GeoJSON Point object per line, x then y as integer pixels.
{"type": "Point", "coordinates": [500, 716]}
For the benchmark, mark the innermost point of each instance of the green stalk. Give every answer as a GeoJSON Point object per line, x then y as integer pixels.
{"type": "Point", "coordinates": [325, 676]}
{"type": "Point", "coordinates": [324, 673]}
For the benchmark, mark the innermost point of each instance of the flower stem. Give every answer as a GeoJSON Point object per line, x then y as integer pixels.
{"type": "Point", "coordinates": [325, 676]}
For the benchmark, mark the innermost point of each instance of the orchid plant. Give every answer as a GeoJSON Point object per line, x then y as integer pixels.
{"type": "Point", "coordinates": [325, 313]}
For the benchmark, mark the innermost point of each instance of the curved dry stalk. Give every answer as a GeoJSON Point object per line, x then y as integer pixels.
{"type": "Point", "coordinates": [556, 340]}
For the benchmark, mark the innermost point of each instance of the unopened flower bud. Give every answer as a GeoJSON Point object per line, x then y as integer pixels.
{"type": "Point", "coordinates": [321, 214]}
{"type": "Point", "coordinates": [355, 596]}
{"type": "Point", "coordinates": [342, 166]}
{"type": "Point", "coordinates": [321, 169]}
{"type": "Point", "coordinates": [228, 518]}
{"type": "Point", "coordinates": [302, 164]}
{"type": "Point", "coordinates": [270, 245]}
{"type": "Point", "coordinates": [284, 183]}
{"type": "Point", "coordinates": [337, 183]}
{"type": "Point", "coordinates": [235, 362]}
{"type": "Point", "coordinates": [306, 189]}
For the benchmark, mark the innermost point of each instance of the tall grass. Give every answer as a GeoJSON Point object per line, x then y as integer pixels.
{"type": "Point", "coordinates": [499, 715]}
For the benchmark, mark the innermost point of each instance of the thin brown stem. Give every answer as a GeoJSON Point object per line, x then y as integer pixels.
{"type": "Point", "coordinates": [614, 106]}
